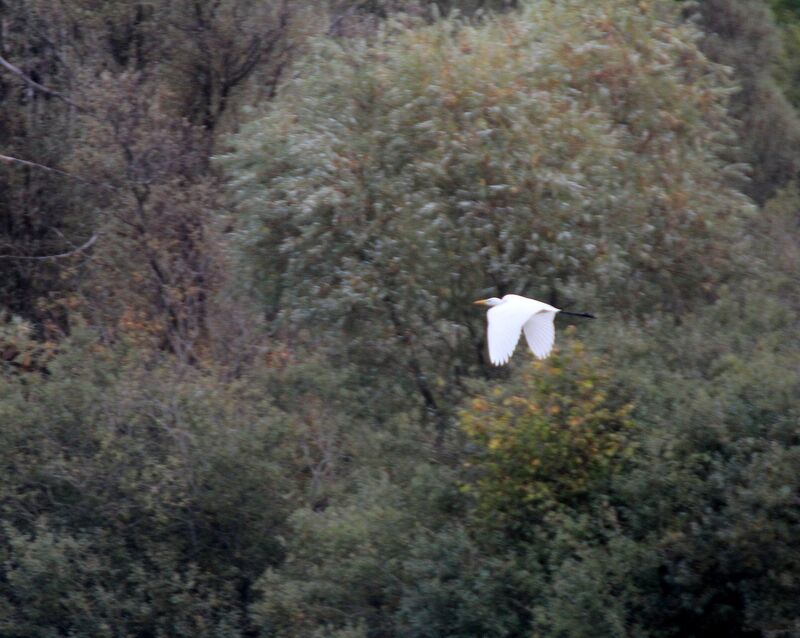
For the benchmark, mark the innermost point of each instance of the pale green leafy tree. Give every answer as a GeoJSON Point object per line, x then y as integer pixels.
{"type": "Point", "coordinates": [568, 149]}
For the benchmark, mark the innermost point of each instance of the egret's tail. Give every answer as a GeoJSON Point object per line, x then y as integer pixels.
{"type": "Point", "coordinates": [577, 314]}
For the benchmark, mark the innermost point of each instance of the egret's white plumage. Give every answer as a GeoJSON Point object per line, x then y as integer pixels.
{"type": "Point", "coordinates": [513, 314]}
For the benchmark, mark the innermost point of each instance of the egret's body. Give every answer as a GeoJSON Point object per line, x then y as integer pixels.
{"type": "Point", "coordinates": [512, 314]}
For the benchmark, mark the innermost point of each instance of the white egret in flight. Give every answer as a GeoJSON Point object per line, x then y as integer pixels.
{"type": "Point", "coordinates": [512, 314]}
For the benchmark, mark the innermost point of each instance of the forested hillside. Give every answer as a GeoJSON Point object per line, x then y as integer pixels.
{"type": "Point", "coordinates": [244, 391]}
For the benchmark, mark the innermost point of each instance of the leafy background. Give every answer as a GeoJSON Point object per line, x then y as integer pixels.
{"type": "Point", "coordinates": [244, 391]}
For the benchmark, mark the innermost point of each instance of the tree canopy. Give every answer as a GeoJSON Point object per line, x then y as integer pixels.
{"type": "Point", "coordinates": [575, 153]}
{"type": "Point", "coordinates": [244, 391]}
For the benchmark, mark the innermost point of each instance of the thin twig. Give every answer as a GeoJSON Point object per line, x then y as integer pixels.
{"type": "Point", "coordinates": [35, 85]}
{"type": "Point", "coordinates": [69, 253]}
{"type": "Point", "coordinates": [50, 169]}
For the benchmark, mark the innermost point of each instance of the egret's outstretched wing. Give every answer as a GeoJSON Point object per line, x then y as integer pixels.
{"type": "Point", "coordinates": [540, 333]}
{"type": "Point", "coordinates": [505, 325]}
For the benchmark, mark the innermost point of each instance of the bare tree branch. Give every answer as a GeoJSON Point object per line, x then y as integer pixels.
{"type": "Point", "coordinates": [35, 85]}
{"type": "Point", "coordinates": [16, 160]}
{"type": "Point", "coordinates": [69, 253]}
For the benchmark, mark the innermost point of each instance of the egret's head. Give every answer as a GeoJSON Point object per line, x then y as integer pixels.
{"type": "Point", "coordinates": [491, 301]}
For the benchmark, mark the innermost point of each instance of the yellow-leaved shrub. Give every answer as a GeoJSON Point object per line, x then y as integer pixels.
{"type": "Point", "coordinates": [548, 438]}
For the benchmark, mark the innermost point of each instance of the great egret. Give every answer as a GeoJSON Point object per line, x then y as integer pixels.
{"type": "Point", "coordinates": [512, 314]}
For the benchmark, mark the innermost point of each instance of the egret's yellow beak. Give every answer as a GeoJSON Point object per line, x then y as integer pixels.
{"type": "Point", "coordinates": [481, 302]}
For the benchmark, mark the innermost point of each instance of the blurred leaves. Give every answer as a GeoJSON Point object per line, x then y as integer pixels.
{"type": "Point", "coordinates": [546, 441]}
{"type": "Point", "coordinates": [259, 404]}
{"type": "Point", "coordinates": [559, 153]}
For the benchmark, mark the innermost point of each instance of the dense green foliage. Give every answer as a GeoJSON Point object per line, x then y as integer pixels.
{"type": "Point", "coordinates": [243, 391]}
{"type": "Point", "coordinates": [742, 35]}
{"type": "Point", "coordinates": [494, 157]}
